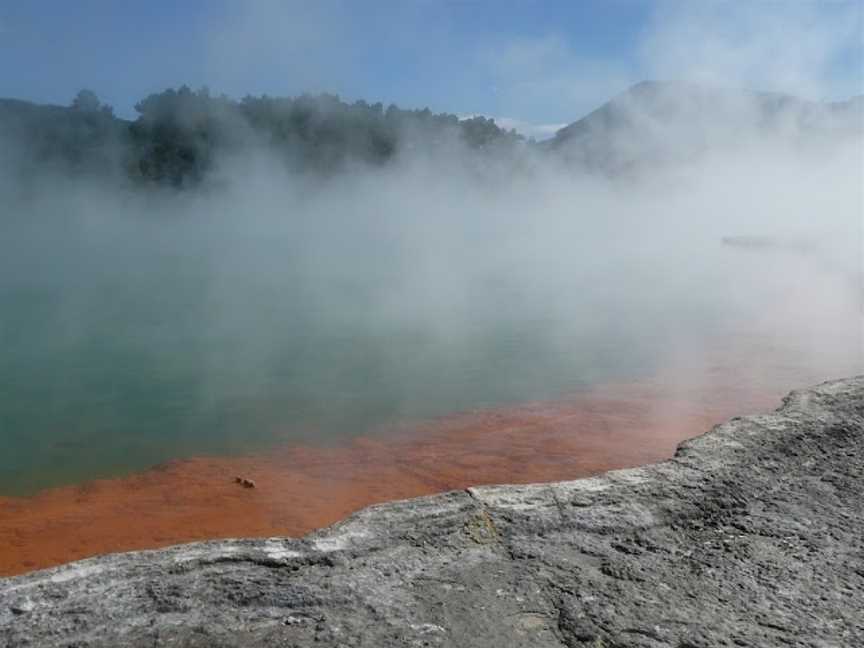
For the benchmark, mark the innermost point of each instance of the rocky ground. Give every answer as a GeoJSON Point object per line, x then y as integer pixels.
{"type": "Point", "coordinates": [752, 535]}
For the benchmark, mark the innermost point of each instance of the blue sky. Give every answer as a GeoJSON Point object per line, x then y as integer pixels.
{"type": "Point", "coordinates": [529, 63]}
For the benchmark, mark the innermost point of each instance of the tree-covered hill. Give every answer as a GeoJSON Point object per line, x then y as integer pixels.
{"type": "Point", "coordinates": [180, 133]}
{"type": "Point", "coordinates": [80, 138]}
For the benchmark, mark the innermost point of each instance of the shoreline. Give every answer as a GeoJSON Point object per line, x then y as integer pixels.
{"type": "Point", "coordinates": [302, 488]}
{"type": "Point", "coordinates": [735, 539]}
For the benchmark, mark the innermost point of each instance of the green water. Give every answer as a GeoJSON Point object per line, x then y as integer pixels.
{"type": "Point", "coordinates": [119, 352]}
{"type": "Point", "coordinates": [125, 342]}
{"type": "Point", "coordinates": [140, 382]}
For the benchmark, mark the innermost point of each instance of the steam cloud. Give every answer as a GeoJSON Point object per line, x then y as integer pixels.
{"type": "Point", "coordinates": [267, 305]}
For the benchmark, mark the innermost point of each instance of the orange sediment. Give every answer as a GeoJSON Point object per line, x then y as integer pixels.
{"type": "Point", "coordinates": [301, 488]}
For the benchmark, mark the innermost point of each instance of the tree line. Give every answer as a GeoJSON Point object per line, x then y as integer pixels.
{"type": "Point", "coordinates": [180, 133]}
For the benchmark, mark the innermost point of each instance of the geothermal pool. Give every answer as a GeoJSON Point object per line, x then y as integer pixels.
{"type": "Point", "coordinates": [126, 343]}
{"type": "Point", "coordinates": [301, 486]}
{"type": "Point", "coordinates": [143, 367]}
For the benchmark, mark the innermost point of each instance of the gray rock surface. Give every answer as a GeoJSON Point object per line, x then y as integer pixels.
{"type": "Point", "coordinates": [752, 535]}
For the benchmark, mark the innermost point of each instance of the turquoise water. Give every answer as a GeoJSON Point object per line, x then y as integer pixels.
{"type": "Point", "coordinates": [123, 349]}
{"type": "Point", "coordinates": [125, 343]}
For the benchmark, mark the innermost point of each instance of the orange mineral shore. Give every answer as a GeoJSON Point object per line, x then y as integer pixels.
{"type": "Point", "coordinates": [301, 488]}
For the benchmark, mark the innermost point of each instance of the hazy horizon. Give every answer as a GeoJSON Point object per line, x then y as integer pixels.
{"type": "Point", "coordinates": [534, 64]}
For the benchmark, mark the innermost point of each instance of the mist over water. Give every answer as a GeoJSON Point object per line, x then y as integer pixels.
{"type": "Point", "coordinates": [269, 309]}
{"type": "Point", "coordinates": [267, 306]}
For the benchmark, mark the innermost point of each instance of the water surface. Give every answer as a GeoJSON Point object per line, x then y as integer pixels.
{"type": "Point", "coordinates": [128, 342]}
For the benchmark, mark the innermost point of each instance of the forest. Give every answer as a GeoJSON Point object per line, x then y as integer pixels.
{"type": "Point", "coordinates": [180, 133]}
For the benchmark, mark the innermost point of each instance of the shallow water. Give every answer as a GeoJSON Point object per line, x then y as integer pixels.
{"type": "Point", "coordinates": [300, 488]}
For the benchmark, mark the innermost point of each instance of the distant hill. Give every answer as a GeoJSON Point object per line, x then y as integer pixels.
{"type": "Point", "coordinates": [181, 133]}
{"type": "Point", "coordinates": [659, 122]}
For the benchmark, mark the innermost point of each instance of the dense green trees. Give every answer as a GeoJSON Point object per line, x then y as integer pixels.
{"type": "Point", "coordinates": [84, 139]}
{"type": "Point", "coordinates": [180, 133]}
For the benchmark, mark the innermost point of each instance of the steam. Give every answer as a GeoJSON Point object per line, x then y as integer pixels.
{"type": "Point", "coordinates": [797, 48]}
{"type": "Point", "coordinates": [274, 306]}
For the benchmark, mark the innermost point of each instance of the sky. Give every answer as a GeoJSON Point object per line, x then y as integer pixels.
{"type": "Point", "coordinates": [534, 65]}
